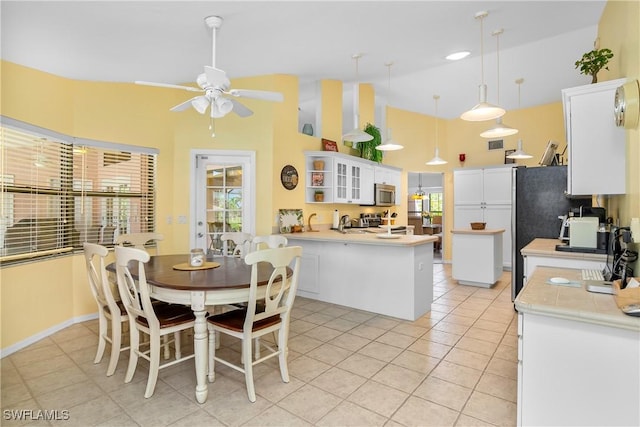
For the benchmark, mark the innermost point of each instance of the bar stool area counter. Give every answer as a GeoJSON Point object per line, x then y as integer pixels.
{"type": "Point", "coordinates": [476, 256]}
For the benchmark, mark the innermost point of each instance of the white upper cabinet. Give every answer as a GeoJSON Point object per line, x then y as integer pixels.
{"type": "Point", "coordinates": [344, 178]}
{"type": "Point", "coordinates": [596, 146]}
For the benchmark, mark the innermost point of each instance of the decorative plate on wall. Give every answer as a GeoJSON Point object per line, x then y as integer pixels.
{"type": "Point", "coordinates": [289, 177]}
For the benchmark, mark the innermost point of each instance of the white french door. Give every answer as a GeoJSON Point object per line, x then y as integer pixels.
{"type": "Point", "coordinates": [224, 201]}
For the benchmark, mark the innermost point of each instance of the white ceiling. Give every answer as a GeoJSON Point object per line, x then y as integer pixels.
{"type": "Point", "coordinates": [122, 41]}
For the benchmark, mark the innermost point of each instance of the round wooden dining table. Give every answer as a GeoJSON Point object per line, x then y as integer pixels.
{"type": "Point", "coordinates": [226, 284]}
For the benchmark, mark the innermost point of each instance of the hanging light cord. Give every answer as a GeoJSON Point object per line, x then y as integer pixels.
{"type": "Point", "coordinates": [436, 98]}
{"type": "Point", "coordinates": [497, 34]}
{"type": "Point", "coordinates": [481, 17]}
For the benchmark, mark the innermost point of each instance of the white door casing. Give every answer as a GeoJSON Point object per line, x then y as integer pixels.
{"type": "Point", "coordinates": [198, 184]}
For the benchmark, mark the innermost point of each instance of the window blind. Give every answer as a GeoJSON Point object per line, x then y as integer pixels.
{"type": "Point", "coordinates": [59, 192]}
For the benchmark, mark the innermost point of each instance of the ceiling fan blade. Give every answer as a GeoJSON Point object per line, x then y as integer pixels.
{"type": "Point", "coordinates": [184, 105]}
{"type": "Point", "coordinates": [170, 86]}
{"type": "Point", "coordinates": [240, 109]}
{"type": "Point", "coordinates": [257, 94]}
{"type": "Point", "coordinates": [216, 77]}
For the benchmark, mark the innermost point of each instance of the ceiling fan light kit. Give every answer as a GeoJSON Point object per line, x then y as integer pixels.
{"type": "Point", "coordinates": [215, 87]}
{"type": "Point", "coordinates": [483, 110]}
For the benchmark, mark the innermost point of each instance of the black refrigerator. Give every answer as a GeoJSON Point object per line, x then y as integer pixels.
{"type": "Point", "coordinates": [538, 199]}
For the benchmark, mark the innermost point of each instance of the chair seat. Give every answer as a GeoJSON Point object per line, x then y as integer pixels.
{"type": "Point", "coordinates": [169, 315]}
{"type": "Point", "coordinates": [123, 311]}
{"type": "Point", "coordinates": [234, 320]}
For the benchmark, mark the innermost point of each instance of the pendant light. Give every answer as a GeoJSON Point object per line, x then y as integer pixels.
{"type": "Point", "coordinates": [418, 195]}
{"type": "Point", "coordinates": [356, 134]}
{"type": "Point", "coordinates": [519, 153]}
{"type": "Point", "coordinates": [389, 144]}
{"type": "Point", "coordinates": [436, 159]}
{"type": "Point", "coordinates": [483, 110]}
{"type": "Point", "coordinates": [499, 129]}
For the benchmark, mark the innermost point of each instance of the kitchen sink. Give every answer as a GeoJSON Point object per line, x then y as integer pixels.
{"type": "Point", "coordinates": [352, 231]}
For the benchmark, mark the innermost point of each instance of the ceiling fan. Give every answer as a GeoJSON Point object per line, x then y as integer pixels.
{"type": "Point", "coordinates": [215, 87]}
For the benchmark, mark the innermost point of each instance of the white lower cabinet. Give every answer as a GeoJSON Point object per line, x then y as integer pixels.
{"type": "Point", "coordinates": [533, 261]}
{"type": "Point", "coordinates": [573, 373]}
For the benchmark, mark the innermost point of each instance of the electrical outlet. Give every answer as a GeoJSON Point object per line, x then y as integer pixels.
{"type": "Point", "coordinates": [635, 230]}
{"type": "Point", "coordinates": [182, 219]}
{"type": "Point", "coordinates": [169, 219]}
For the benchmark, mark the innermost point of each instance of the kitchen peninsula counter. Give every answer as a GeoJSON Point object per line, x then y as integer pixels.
{"type": "Point", "coordinates": [577, 355]}
{"type": "Point", "coordinates": [389, 276]}
{"type": "Point", "coordinates": [363, 237]}
{"type": "Point", "coordinates": [542, 252]}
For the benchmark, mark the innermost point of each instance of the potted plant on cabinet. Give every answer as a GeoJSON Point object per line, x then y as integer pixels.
{"type": "Point", "coordinates": [318, 196]}
{"type": "Point", "coordinates": [594, 61]}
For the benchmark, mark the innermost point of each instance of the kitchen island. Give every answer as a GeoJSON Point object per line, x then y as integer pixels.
{"type": "Point", "coordinates": [578, 355]}
{"type": "Point", "coordinates": [369, 271]}
{"type": "Point", "coordinates": [476, 256]}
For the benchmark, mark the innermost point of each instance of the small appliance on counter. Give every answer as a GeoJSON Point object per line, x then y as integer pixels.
{"type": "Point", "coordinates": [583, 230]}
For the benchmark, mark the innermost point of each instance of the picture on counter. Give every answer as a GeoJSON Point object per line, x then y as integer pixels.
{"type": "Point", "coordinates": [328, 145]}
{"type": "Point", "coordinates": [317, 179]}
{"type": "Point", "coordinates": [507, 153]}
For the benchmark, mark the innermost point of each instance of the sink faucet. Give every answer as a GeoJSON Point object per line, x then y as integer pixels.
{"type": "Point", "coordinates": [341, 223]}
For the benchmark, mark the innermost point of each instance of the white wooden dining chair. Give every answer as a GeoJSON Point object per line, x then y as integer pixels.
{"type": "Point", "coordinates": [139, 240]}
{"type": "Point", "coordinates": [111, 312]}
{"type": "Point", "coordinates": [269, 241]}
{"type": "Point", "coordinates": [155, 320]}
{"type": "Point", "coordinates": [240, 243]}
{"type": "Point", "coordinates": [249, 323]}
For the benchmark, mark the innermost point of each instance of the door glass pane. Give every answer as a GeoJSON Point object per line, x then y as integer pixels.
{"type": "Point", "coordinates": [224, 203]}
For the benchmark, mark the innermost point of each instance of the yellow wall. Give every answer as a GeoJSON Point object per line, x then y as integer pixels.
{"type": "Point", "coordinates": [39, 296]}
{"type": "Point", "coordinates": [618, 31]}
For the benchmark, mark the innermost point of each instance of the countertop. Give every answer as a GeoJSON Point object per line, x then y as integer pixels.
{"type": "Point", "coordinates": [572, 303]}
{"type": "Point", "coordinates": [547, 247]}
{"type": "Point", "coordinates": [470, 231]}
{"type": "Point", "coordinates": [364, 237]}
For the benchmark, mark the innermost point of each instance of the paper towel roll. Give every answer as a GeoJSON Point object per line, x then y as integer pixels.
{"type": "Point", "coordinates": [336, 218]}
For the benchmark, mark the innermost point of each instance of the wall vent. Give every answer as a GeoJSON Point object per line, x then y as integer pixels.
{"type": "Point", "coordinates": [496, 144]}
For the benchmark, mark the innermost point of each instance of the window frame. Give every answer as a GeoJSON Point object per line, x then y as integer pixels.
{"type": "Point", "coordinates": [68, 190]}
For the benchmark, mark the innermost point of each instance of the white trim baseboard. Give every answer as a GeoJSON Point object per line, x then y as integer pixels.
{"type": "Point", "coordinates": [47, 332]}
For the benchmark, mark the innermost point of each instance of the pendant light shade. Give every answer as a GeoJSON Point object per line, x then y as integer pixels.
{"type": "Point", "coordinates": [519, 153]}
{"type": "Point", "coordinates": [356, 134]}
{"type": "Point", "coordinates": [436, 159]}
{"type": "Point", "coordinates": [389, 144]}
{"type": "Point", "coordinates": [483, 110]}
{"type": "Point", "coordinates": [499, 129]}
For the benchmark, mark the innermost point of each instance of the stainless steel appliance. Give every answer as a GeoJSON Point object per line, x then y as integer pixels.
{"type": "Point", "coordinates": [384, 195]}
{"type": "Point", "coordinates": [414, 207]}
{"type": "Point", "coordinates": [538, 200]}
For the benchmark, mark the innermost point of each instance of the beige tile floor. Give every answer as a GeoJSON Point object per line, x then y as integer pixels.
{"type": "Point", "coordinates": [454, 366]}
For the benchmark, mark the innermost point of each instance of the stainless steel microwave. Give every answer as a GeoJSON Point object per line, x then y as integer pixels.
{"type": "Point", "coordinates": [384, 195]}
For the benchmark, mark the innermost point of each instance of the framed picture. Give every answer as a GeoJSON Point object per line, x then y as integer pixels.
{"type": "Point", "coordinates": [289, 177]}
{"type": "Point", "coordinates": [507, 153]}
{"type": "Point", "coordinates": [317, 179]}
{"type": "Point", "coordinates": [328, 145]}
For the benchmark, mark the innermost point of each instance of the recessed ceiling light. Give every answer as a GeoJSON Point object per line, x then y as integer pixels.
{"type": "Point", "coordinates": [458, 55]}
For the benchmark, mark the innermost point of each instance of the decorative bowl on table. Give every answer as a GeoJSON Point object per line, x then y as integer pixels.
{"type": "Point", "coordinates": [478, 225]}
